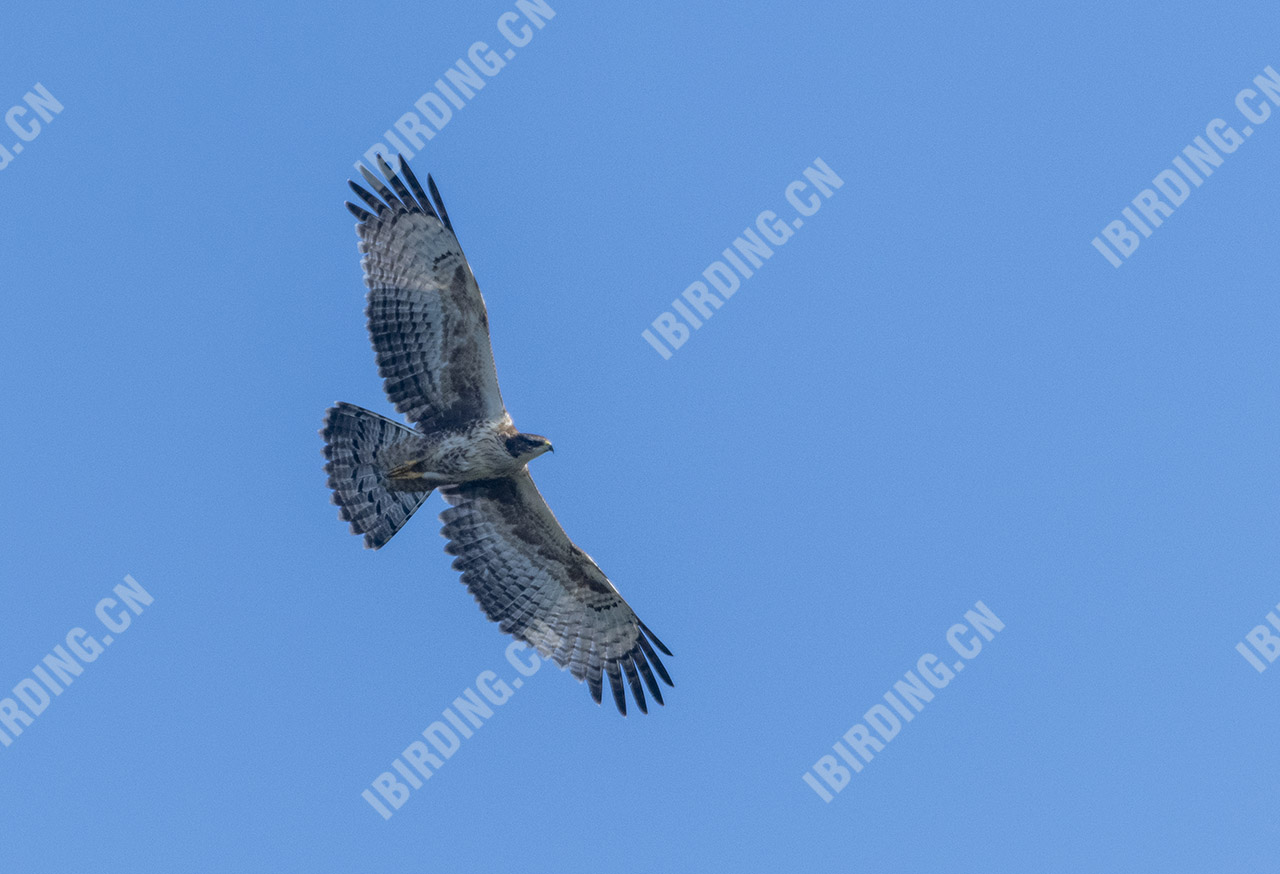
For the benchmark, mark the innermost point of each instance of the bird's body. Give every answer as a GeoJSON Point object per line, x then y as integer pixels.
{"type": "Point", "coordinates": [430, 331]}
{"type": "Point", "coordinates": [485, 449]}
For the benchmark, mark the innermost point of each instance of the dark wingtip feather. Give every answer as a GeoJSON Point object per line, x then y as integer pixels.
{"type": "Point", "coordinates": [655, 690]}
{"type": "Point", "coordinates": [595, 684]}
{"type": "Point", "coordinates": [435, 195]}
{"type": "Point", "coordinates": [378, 185]}
{"type": "Point", "coordinates": [655, 661]}
{"type": "Point", "coordinates": [356, 211]}
{"type": "Point", "coordinates": [376, 205]}
{"type": "Point", "coordinates": [383, 167]}
{"type": "Point", "coordinates": [397, 184]}
{"type": "Point", "coordinates": [654, 638]}
{"type": "Point", "coordinates": [416, 187]}
{"type": "Point", "coordinates": [391, 195]}
{"type": "Point", "coordinates": [615, 682]}
{"type": "Point", "coordinates": [633, 680]}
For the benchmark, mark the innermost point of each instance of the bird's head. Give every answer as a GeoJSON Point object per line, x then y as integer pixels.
{"type": "Point", "coordinates": [526, 447]}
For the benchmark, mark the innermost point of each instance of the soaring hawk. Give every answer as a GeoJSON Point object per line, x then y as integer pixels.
{"type": "Point", "coordinates": [430, 331]}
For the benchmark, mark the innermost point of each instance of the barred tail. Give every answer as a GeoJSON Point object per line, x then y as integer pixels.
{"type": "Point", "coordinates": [354, 439]}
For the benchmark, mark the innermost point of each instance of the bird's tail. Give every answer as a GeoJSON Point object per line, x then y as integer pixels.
{"type": "Point", "coordinates": [354, 440]}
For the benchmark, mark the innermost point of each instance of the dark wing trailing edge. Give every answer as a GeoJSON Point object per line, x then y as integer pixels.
{"type": "Point", "coordinates": [427, 320]}
{"type": "Point", "coordinates": [529, 577]}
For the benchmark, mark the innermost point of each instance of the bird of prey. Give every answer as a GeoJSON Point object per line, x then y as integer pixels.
{"type": "Point", "coordinates": [430, 333]}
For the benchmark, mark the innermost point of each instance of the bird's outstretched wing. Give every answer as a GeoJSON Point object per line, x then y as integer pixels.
{"type": "Point", "coordinates": [530, 578]}
{"type": "Point", "coordinates": [427, 319]}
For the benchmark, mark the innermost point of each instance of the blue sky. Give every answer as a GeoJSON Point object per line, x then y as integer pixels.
{"type": "Point", "coordinates": [936, 392]}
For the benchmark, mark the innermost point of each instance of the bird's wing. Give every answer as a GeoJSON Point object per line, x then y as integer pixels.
{"type": "Point", "coordinates": [529, 577]}
{"type": "Point", "coordinates": [427, 319]}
